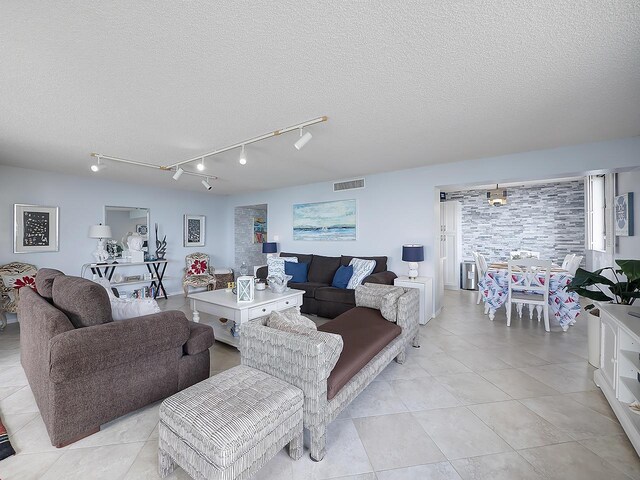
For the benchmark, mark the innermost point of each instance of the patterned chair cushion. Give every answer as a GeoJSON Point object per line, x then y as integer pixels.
{"type": "Point", "coordinates": [14, 276]}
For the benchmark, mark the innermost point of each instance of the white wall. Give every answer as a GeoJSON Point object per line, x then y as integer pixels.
{"type": "Point", "coordinates": [82, 200]}
{"type": "Point", "coordinates": [401, 207]}
{"type": "Point", "coordinates": [629, 247]}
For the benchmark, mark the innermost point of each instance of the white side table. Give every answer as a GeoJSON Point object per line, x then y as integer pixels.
{"type": "Point", "coordinates": [425, 285]}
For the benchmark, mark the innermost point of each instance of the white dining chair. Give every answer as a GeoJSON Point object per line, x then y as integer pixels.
{"type": "Point", "coordinates": [567, 261]}
{"type": "Point", "coordinates": [481, 267]}
{"type": "Point", "coordinates": [573, 265]}
{"type": "Point", "coordinates": [529, 285]}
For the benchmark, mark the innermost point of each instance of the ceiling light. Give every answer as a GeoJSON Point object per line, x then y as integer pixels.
{"type": "Point", "coordinates": [201, 165]}
{"type": "Point", "coordinates": [206, 184]}
{"type": "Point", "coordinates": [302, 141]}
{"type": "Point", "coordinates": [96, 167]}
{"type": "Point", "coordinates": [497, 197]}
{"type": "Point", "coordinates": [178, 173]}
{"type": "Point", "coordinates": [243, 157]}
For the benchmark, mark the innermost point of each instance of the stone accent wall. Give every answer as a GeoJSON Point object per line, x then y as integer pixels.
{"type": "Point", "coordinates": [547, 218]}
{"type": "Point", "coordinates": [245, 250]}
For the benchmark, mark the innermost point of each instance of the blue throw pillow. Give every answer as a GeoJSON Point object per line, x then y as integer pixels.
{"type": "Point", "coordinates": [342, 276]}
{"type": "Point", "coordinates": [298, 270]}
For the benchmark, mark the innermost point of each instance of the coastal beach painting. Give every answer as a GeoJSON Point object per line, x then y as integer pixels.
{"type": "Point", "coordinates": [325, 221]}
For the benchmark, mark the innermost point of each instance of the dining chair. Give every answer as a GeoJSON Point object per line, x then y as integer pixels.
{"type": "Point", "coordinates": [529, 285]}
{"type": "Point", "coordinates": [567, 261]}
{"type": "Point", "coordinates": [573, 265]}
{"type": "Point", "coordinates": [481, 267]}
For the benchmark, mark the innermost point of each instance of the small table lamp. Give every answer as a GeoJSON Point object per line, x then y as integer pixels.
{"type": "Point", "coordinates": [269, 248]}
{"type": "Point", "coordinates": [413, 254]}
{"type": "Point", "coordinates": [100, 232]}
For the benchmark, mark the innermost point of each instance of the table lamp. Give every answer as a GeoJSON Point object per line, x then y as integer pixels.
{"type": "Point", "coordinates": [101, 232]}
{"type": "Point", "coordinates": [269, 248]}
{"type": "Point", "coordinates": [413, 254]}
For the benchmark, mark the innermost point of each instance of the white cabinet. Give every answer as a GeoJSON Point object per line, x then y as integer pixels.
{"type": "Point", "coordinates": [425, 286]}
{"type": "Point", "coordinates": [451, 242]}
{"type": "Point", "coordinates": [620, 366]}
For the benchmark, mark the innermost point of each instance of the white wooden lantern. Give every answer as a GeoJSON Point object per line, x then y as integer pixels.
{"type": "Point", "coordinates": [244, 289]}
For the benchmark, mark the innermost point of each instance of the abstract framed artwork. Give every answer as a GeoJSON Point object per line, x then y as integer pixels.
{"type": "Point", "coordinates": [35, 228]}
{"type": "Point", "coordinates": [194, 230]}
{"type": "Point", "coordinates": [624, 215]}
{"type": "Point", "coordinates": [328, 221]}
{"type": "Point", "coordinates": [259, 229]}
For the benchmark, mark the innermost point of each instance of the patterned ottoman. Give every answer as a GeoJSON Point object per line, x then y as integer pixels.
{"type": "Point", "coordinates": [230, 425]}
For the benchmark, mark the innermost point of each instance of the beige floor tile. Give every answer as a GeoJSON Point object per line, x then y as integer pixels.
{"type": "Point", "coordinates": [12, 376]}
{"type": "Point", "coordinates": [459, 433]}
{"type": "Point", "coordinates": [33, 438]}
{"type": "Point", "coordinates": [22, 401]}
{"type": "Point", "coordinates": [618, 451]}
{"type": "Point", "coordinates": [15, 421]}
{"type": "Point", "coordinates": [377, 399]}
{"type": "Point", "coordinates": [595, 400]}
{"type": "Point", "coordinates": [442, 364]}
{"type": "Point", "coordinates": [471, 388]}
{"type": "Point", "coordinates": [409, 370]}
{"type": "Point", "coordinates": [106, 462]}
{"type": "Point", "coordinates": [10, 357]}
{"type": "Point", "coordinates": [479, 360]}
{"type": "Point", "coordinates": [27, 467]}
{"type": "Point", "coordinates": [364, 476]}
{"type": "Point", "coordinates": [517, 425]}
{"type": "Point", "coordinates": [561, 379]}
{"type": "Point", "coordinates": [518, 384]}
{"type": "Point", "coordinates": [145, 465]}
{"type": "Point", "coordinates": [395, 441]}
{"type": "Point", "coordinates": [433, 471]}
{"type": "Point", "coordinates": [423, 394]}
{"type": "Point", "coordinates": [450, 342]}
{"type": "Point", "coordinates": [571, 460]}
{"type": "Point", "coordinates": [552, 353]}
{"type": "Point", "coordinates": [503, 466]}
{"type": "Point", "coordinates": [571, 417]}
{"type": "Point", "coordinates": [6, 391]}
{"type": "Point", "coordinates": [517, 358]}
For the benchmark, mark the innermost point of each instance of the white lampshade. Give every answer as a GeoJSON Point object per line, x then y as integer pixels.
{"type": "Point", "coordinates": [100, 231]}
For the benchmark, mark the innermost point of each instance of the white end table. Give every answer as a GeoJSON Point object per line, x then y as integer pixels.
{"type": "Point", "coordinates": [425, 285]}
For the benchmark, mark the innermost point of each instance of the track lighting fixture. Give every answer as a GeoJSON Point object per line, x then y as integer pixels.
{"type": "Point", "coordinates": [206, 184]}
{"type": "Point", "coordinates": [243, 157]}
{"type": "Point", "coordinates": [96, 167]}
{"type": "Point", "coordinates": [178, 174]}
{"type": "Point", "coordinates": [302, 141]}
{"type": "Point", "coordinates": [200, 166]}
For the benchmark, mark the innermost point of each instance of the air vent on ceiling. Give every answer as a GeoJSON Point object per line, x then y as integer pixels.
{"type": "Point", "coordinates": [348, 185]}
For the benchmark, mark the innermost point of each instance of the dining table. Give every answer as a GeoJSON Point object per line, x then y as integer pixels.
{"type": "Point", "coordinates": [563, 304]}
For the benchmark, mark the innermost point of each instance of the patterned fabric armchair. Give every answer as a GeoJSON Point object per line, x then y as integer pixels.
{"type": "Point", "coordinates": [308, 361]}
{"type": "Point", "coordinates": [14, 276]}
{"type": "Point", "coordinates": [198, 272]}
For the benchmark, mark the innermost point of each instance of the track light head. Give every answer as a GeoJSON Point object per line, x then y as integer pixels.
{"type": "Point", "coordinates": [302, 141]}
{"type": "Point", "coordinates": [206, 184]}
{"type": "Point", "coordinates": [200, 166]}
{"type": "Point", "coordinates": [96, 167]}
{"type": "Point", "coordinates": [243, 157]}
{"type": "Point", "coordinates": [178, 174]}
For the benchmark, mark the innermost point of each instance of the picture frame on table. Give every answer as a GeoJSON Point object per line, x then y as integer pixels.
{"type": "Point", "coordinates": [35, 228]}
{"type": "Point", "coordinates": [194, 230]}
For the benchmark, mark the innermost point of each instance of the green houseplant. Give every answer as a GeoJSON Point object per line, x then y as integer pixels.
{"type": "Point", "coordinates": [620, 290]}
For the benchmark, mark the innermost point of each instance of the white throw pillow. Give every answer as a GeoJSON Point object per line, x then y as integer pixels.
{"type": "Point", "coordinates": [275, 265]}
{"type": "Point", "coordinates": [361, 270]}
{"type": "Point", "coordinates": [123, 308]}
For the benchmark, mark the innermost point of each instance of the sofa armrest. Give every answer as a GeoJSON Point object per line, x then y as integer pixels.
{"type": "Point", "coordinates": [83, 351]}
{"type": "Point", "coordinates": [301, 360]}
{"type": "Point", "coordinates": [200, 338]}
{"type": "Point", "coordinates": [408, 315]}
{"type": "Point", "coordinates": [384, 278]}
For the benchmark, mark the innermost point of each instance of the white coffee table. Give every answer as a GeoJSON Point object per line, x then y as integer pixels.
{"type": "Point", "coordinates": [223, 304]}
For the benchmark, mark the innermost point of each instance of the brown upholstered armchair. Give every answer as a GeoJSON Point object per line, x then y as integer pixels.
{"type": "Point", "coordinates": [14, 276]}
{"type": "Point", "coordinates": [85, 369]}
{"type": "Point", "coordinates": [198, 272]}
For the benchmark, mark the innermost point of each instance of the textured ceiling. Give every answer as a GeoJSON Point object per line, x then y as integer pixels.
{"type": "Point", "coordinates": [404, 83]}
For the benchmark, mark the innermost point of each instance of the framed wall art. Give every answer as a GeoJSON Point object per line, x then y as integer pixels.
{"type": "Point", "coordinates": [334, 220]}
{"type": "Point", "coordinates": [194, 230]}
{"type": "Point", "coordinates": [259, 229]}
{"type": "Point", "coordinates": [35, 228]}
{"type": "Point", "coordinates": [624, 215]}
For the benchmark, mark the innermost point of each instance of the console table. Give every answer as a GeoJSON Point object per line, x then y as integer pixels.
{"type": "Point", "coordinates": [154, 267]}
{"type": "Point", "coordinates": [620, 366]}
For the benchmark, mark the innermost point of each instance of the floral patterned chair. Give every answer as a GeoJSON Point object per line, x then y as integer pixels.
{"type": "Point", "coordinates": [14, 276]}
{"type": "Point", "coordinates": [198, 273]}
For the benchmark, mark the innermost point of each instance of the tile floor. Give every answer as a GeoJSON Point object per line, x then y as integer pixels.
{"type": "Point", "coordinates": [477, 401]}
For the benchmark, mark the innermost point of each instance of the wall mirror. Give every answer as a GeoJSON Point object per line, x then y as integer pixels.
{"type": "Point", "coordinates": [123, 222]}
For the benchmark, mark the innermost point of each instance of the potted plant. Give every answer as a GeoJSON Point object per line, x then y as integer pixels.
{"type": "Point", "coordinates": [621, 289]}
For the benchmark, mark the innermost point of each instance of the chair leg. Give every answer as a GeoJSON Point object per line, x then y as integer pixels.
{"type": "Point", "coordinates": [479, 297]}
{"type": "Point", "coordinates": [185, 288]}
{"type": "Point", "coordinates": [508, 306]}
{"type": "Point", "coordinates": [296, 445]}
{"type": "Point", "coordinates": [531, 309]}
{"type": "Point", "coordinates": [519, 308]}
{"type": "Point", "coordinates": [486, 308]}
{"type": "Point", "coordinates": [538, 311]}
{"type": "Point", "coordinates": [318, 442]}
{"type": "Point", "coordinates": [546, 318]}
{"type": "Point", "coordinates": [402, 356]}
{"type": "Point", "coordinates": [166, 465]}
{"type": "Point", "coordinates": [416, 341]}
